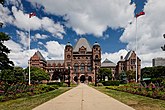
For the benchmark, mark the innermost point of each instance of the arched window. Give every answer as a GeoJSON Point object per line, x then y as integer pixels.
{"type": "Point", "coordinates": [82, 67]}
{"type": "Point", "coordinates": [76, 67]}
{"type": "Point", "coordinates": [89, 68]}
{"type": "Point", "coordinates": [96, 56]}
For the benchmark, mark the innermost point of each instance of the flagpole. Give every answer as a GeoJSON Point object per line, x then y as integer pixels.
{"type": "Point", "coordinates": [136, 52]}
{"type": "Point", "coordinates": [29, 51]}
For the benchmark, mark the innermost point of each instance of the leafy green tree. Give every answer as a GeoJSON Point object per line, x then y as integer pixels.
{"type": "Point", "coordinates": [5, 63]}
{"type": "Point", "coordinates": [153, 72]}
{"type": "Point", "coordinates": [12, 76]}
{"type": "Point", "coordinates": [103, 73]}
{"type": "Point", "coordinates": [130, 75]}
{"type": "Point", "coordinates": [19, 74]}
{"type": "Point", "coordinates": [37, 74]}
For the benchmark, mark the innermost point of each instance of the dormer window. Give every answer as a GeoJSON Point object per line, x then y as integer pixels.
{"type": "Point", "coordinates": [82, 50]}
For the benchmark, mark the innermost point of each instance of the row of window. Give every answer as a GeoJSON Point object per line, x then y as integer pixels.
{"type": "Point", "coordinates": [82, 68]}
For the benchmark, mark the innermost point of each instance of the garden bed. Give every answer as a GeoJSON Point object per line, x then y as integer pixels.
{"type": "Point", "coordinates": [149, 91]}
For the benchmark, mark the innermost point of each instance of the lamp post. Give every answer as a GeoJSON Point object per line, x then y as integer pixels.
{"type": "Point", "coordinates": [69, 76]}
{"type": "Point", "coordinates": [163, 47]}
{"type": "Point", "coordinates": [95, 75]}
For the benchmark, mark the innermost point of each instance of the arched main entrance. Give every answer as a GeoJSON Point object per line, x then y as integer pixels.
{"type": "Point", "coordinates": [82, 78]}
{"type": "Point", "coordinates": [89, 79]}
{"type": "Point", "coordinates": [75, 78]}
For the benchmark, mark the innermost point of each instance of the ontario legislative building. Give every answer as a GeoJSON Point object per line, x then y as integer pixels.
{"type": "Point", "coordinates": [81, 61]}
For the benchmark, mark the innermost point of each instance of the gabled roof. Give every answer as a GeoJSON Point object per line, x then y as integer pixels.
{"type": "Point", "coordinates": [107, 63]}
{"type": "Point", "coordinates": [128, 55]}
{"type": "Point", "coordinates": [40, 55]}
{"type": "Point", "coordinates": [82, 42]}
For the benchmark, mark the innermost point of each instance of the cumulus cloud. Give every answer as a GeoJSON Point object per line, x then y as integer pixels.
{"type": "Point", "coordinates": [40, 36]}
{"type": "Point", "coordinates": [17, 55]}
{"type": "Point", "coordinates": [24, 38]}
{"type": "Point", "coordinates": [91, 16]}
{"type": "Point", "coordinates": [55, 50]}
{"type": "Point", "coordinates": [21, 56]}
{"type": "Point", "coordinates": [21, 20]}
{"type": "Point", "coordinates": [5, 15]}
{"type": "Point", "coordinates": [114, 57]}
{"type": "Point", "coordinates": [150, 29]}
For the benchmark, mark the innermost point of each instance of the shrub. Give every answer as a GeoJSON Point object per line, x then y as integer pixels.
{"type": "Point", "coordinates": [55, 83]}
{"type": "Point", "coordinates": [2, 98]}
{"type": "Point", "coordinates": [111, 83]}
{"type": "Point", "coordinates": [65, 85]}
{"type": "Point", "coordinates": [100, 84]}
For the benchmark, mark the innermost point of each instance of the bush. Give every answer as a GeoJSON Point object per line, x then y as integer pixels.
{"type": "Point", "coordinates": [100, 84]}
{"type": "Point", "coordinates": [55, 83]}
{"type": "Point", "coordinates": [65, 85]}
{"type": "Point", "coordinates": [2, 98]}
{"type": "Point", "coordinates": [111, 83]}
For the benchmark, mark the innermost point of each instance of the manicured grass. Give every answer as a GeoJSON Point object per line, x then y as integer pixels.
{"type": "Point", "coordinates": [30, 102]}
{"type": "Point", "coordinates": [135, 101]}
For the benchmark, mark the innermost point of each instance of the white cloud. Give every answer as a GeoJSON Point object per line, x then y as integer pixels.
{"type": "Point", "coordinates": [55, 50]}
{"type": "Point", "coordinates": [17, 55]}
{"type": "Point", "coordinates": [39, 36]}
{"type": "Point", "coordinates": [21, 56]}
{"type": "Point", "coordinates": [22, 21]}
{"type": "Point", "coordinates": [4, 15]}
{"type": "Point", "coordinates": [24, 38]}
{"type": "Point", "coordinates": [56, 29]}
{"type": "Point", "coordinates": [16, 3]}
{"type": "Point", "coordinates": [91, 16]}
{"type": "Point", "coordinates": [114, 57]}
{"type": "Point", "coordinates": [150, 29]}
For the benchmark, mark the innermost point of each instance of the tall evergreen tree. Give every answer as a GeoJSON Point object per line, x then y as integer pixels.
{"type": "Point", "coordinates": [5, 62]}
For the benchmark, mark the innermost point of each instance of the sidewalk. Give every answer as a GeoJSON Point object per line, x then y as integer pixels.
{"type": "Point", "coordinates": [83, 97]}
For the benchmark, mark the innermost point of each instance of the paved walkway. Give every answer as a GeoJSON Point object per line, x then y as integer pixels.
{"type": "Point", "coordinates": [83, 97]}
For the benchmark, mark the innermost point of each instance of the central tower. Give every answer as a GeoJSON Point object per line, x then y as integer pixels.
{"type": "Point", "coordinates": [83, 60]}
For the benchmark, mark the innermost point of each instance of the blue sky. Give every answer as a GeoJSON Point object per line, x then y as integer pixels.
{"type": "Point", "coordinates": [110, 22]}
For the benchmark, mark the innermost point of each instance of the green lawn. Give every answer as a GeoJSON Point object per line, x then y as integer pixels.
{"type": "Point", "coordinates": [135, 101]}
{"type": "Point", "coordinates": [30, 102]}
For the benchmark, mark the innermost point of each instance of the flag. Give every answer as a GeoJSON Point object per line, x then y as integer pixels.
{"type": "Point", "coordinates": [139, 14]}
{"type": "Point", "coordinates": [32, 14]}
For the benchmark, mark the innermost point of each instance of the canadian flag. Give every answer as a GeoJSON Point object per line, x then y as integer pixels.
{"type": "Point", "coordinates": [32, 14]}
{"type": "Point", "coordinates": [139, 14]}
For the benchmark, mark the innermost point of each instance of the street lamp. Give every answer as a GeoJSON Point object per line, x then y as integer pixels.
{"type": "Point", "coordinates": [69, 76]}
{"type": "Point", "coordinates": [95, 75]}
{"type": "Point", "coordinates": [163, 47]}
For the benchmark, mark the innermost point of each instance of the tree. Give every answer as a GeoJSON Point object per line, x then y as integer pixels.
{"type": "Point", "coordinates": [37, 74]}
{"type": "Point", "coordinates": [5, 63]}
{"type": "Point", "coordinates": [12, 76]}
{"type": "Point", "coordinates": [19, 75]}
{"type": "Point", "coordinates": [153, 72]}
{"type": "Point", "coordinates": [130, 75]}
{"type": "Point", "coordinates": [105, 72]}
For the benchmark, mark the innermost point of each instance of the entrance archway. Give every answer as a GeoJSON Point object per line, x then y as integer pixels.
{"type": "Point", "coordinates": [82, 79]}
{"type": "Point", "coordinates": [89, 79]}
{"type": "Point", "coordinates": [75, 78]}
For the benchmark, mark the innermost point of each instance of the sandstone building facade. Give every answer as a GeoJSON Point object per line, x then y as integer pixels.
{"type": "Point", "coordinates": [83, 61]}
{"type": "Point", "coordinates": [129, 63]}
